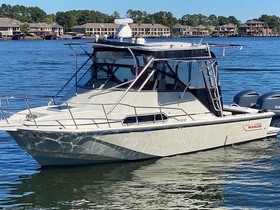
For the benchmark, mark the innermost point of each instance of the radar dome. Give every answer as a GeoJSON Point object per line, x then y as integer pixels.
{"type": "Point", "coordinates": [124, 31]}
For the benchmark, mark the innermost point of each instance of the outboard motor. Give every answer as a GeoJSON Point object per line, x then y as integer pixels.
{"type": "Point", "coordinates": [270, 102]}
{"type": "Point", "coordinates": [246, 98]}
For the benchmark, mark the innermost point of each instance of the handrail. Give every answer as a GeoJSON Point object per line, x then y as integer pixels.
{"type": "Point", "coordinates": [106, 116]}
{"type": "Point", "coordinates": [135, 61]}
{"type": "Point", "coordinates": [71, 78]}
{"type": "Point", "coordinates": [24, 98]}
{"type": "Point", "coordinates": [109, 89]}
{"type": "Point", "coordinates": [30, 113]}
{"type": "Point", "coordinates": [8, 105]}
{"type": "Point", "coordinates": [3, 115]}
{"type": "Point", "coordinates": [105, 120]}
{"type": "Point", "coordinates": [194, 77]}
{"type": "Point", "coordinates": [76, 66]}
{"type": "Point", "coordinates": [68, 107]}
{"type": "Point", "coordinates": [130, 86]}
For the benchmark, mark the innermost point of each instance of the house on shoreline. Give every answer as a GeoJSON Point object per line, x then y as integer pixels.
{"type": "Point", "coordinates": [255, 28]}
{"type": "Point", "coordinates": [44, 29]}
{"type": "Point", "coordinates": [250, 28]}
{"type": "Point", "coordinates": [109, 29]}
{"type": "Point", "coordinates": [11, 27]}
{"type": "Point", "coordinates": [190, 31]}
{"type": "Point", "coordinates": [227, 30]}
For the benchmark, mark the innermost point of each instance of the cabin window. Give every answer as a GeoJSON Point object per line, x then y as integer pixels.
{"type": "Point", "coordinates": [166, 78]}
{"type": "Point", "coordinates": [120, 58]}
{"type": "Point", "coordinates": [191, 74]}
{"type": "Point", "coordinates": [176, 75]}
{"type": "Point", "coordinates": [144, 118]}
{"type": "Point", "coordinates": [115, 66]}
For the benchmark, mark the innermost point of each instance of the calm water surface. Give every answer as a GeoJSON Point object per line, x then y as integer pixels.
{"type": "Point", "coordinates": [241, 176]}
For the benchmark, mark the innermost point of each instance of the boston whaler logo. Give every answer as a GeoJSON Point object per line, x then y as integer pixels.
{"type": "Point", "coordinates": [253, 127]}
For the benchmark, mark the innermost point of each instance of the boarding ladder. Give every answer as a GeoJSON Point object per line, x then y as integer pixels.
{"type": "Point", "coordinates": [213, 87]}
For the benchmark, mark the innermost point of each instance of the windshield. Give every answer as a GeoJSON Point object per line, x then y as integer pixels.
{"type": "Point", "coordinates": [112, 68]}
{"type": "Point", "coordinates": [120, 67]}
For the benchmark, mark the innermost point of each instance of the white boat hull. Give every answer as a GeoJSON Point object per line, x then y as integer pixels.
{"type": "Point", "coordinates": [134, 101]}
{"type": "Point", "coordinates": [81, 147]}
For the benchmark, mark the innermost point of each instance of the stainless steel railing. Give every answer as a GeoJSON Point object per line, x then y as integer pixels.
{"type": "Point", "coordinates": [6, 111]}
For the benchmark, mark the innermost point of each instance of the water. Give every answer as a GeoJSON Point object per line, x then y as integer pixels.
{"type": "Point", "coordinates": [240, 176]}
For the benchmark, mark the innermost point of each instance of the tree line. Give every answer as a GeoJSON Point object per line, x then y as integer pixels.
{"type": "Point", "coordinates": [71, 18]}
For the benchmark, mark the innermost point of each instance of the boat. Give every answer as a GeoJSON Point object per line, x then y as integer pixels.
{"type": "Point", "coordinates": [134, 100]}
{"type": "Point", "coordinates": [20, 36]}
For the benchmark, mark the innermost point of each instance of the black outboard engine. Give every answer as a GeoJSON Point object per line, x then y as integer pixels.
{"type": "Point", "coordinates": [270, 102]}
{"type": "Point", "coordinates": [246, 98]}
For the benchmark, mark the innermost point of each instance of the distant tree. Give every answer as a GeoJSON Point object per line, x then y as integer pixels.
{"type": "Point", "coordinates": [223, 20]}
{"type": "Point", "coordinates": [202, 19]}
{"type": "Point", "coordinates": [37, 14]}
{"type": "Point", "coordinates": [66, 19]}
{"type": "Point", "coordinates": [24, 28]}
{"type": "Point", "coordinates": [83, 17]}
{"type": "Point", "coordinates": [21, 13]}
{"type": "Point", "coordinates": [99, 17]}
{"type": "Point", "coordinates": [115, 15]}
{"type": "Point", "coordinates": [272, 21]}
{"type": "Point", "coordinates": [194, 20]}
{"type": "Point", "coordinates": [233, 20]}
{"type": "Point", "coordinates": [136, 15]}
{"type": "Point", "coordinates": [6, 11]}
{"type": "Point", "coordinates": [78, 17]}
{"type": "Point", "coordinates": [49, 18]}
{"type": "Point", "coordinates": [265, 18]}
{"type": "Point", "coordinates": [150, 19]}
{"type": "Point", "coordinates": [164, 18]}
{"type": "Point", "coordinates": [213, 20]}
{"type": "Point", "coordinates": [188, 20]}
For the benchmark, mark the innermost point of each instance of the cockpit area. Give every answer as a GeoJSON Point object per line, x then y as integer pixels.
{"type": "Point", "coordinates": [169, 68]}
{"type": "Point", "coordinates": [142, 71]}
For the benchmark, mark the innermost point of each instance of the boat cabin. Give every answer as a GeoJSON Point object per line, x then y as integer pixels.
{"type": "Point", "coordinates": [158, 67]}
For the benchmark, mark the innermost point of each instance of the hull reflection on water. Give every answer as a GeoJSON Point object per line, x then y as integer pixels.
{"type": "Point", "coordinates": [200, 180]}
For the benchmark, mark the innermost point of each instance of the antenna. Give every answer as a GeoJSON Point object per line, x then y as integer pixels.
{"type": "Point", "coordinates": [124, 31]}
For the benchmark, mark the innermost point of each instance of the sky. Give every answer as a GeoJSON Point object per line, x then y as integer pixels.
{"type": "Point", "coordinates": [242, 9]}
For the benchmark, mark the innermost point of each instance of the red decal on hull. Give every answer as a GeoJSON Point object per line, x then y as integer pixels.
{"type": "Point", "coordinates": [253, 127]}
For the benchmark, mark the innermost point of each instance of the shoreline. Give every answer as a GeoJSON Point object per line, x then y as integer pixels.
{"type": "Point", "coordinates": [91, 38]}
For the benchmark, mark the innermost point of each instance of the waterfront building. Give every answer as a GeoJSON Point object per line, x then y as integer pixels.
{"type": "Point", "coordinates": [90, 29]}
{"type": "Point", "coordinates": [150, 30]}
{"type": "Point", "coordinates": [182, 30]}
{"type": "Point", "coordinates": [255, 28]}
{"type": "Point", "coordinates": [39, 29]}
{"type": "Point", "coordinates": [43, 29]}
{"type": "Point", "coordinates": [202, 31]}
{"type": "Point", "coordinates": [57, 29]}
{"type": "Point", "coordinates": [225, 30]}
{"type": "Point", "coordinates": [110, 29]}
{"type": "Point", "coordinates": [189, 31]}
{"type": "Point", "coordinates": [9, 27]}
